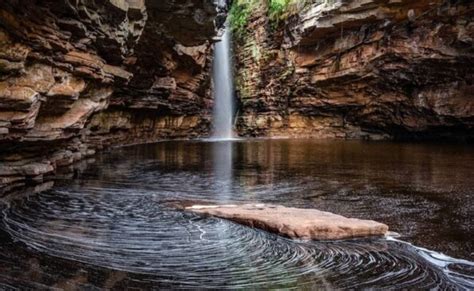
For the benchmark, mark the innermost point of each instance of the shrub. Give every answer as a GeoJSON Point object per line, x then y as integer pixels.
{"type": "Point", "coordinates": [239, 15]}
{"type": "Point", "coordinates": [282, 9]}
{"type": "Point", "coordinates": [278, 10]}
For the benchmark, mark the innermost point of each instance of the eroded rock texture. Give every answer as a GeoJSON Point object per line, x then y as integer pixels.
{"type": "Point", "coordinates": [359, 69]}
{"type": "Point", "coordinates": [77, 76]}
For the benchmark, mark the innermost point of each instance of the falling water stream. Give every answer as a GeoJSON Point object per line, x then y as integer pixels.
{"type": "Point", "coordinates": [115, 224]}
{"type": "Point", "coordinates": [223, 88]}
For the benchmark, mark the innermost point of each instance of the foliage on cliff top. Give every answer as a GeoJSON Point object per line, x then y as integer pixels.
{"type": "Point", "coordinates": [282, 9]}
{"type": "Point", "coordinates": [242, 10]}
{"type": "Point", "coordinates": [239, 15]}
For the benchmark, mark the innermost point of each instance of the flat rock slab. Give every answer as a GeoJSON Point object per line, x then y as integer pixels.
{"type": "Point", "coordinates": [294, 222]}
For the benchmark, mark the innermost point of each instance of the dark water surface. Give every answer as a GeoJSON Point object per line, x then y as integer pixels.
{"type": "Point", "coordinates": [114, 225]}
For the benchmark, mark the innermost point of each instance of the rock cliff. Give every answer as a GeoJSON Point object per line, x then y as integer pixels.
{"type": "Point", "coordinates": [358, 69]}
{"type": "Point", "coordinates": [77, 76]}
{"type": "Point", "coordinates": [80, 76]}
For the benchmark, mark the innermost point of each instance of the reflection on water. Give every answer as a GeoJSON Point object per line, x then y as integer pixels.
{"type": "Point", "coordinates": [222, 169]}
{"type": "Point", "coordinates": [115, 226]}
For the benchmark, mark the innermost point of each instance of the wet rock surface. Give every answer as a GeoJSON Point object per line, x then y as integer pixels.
{"type": "Point", "coordinates": [79, 76]}
{"type": "Point", "coordinates": [359, 69]}
{"type": "Point", "coordinates": [294, 222]}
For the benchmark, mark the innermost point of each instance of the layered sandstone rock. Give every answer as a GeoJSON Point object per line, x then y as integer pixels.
{"type": "Point", "coordinates": [294, 222]}
{"type": "Point", "coordinates": [359, 69]}
{"type": "Point", "coordinates": [77, 76]}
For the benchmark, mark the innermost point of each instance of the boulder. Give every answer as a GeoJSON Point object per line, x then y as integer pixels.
{"type": "Point", "coordinates": [294, 222]}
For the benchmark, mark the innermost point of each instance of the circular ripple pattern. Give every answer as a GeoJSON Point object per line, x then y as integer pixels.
{"type": "Point", "coordinates": [126, 230]}
{"type": "Point", "coordinates": [114, 226]}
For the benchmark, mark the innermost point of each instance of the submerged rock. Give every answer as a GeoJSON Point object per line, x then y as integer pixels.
{"type": "Point", "coordinates": [294, 222]}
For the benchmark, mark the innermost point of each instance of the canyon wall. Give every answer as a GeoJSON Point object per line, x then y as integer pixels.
{"type": "Point", "coordinates": [78, 76]}
{"type": "Point", "coordinates": [374, 69]}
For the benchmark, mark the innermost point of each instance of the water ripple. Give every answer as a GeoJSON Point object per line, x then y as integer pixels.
{"type": "Point", "coordinates": [123, 229]}
{"type": "Point", "coordinates": [115, 227]}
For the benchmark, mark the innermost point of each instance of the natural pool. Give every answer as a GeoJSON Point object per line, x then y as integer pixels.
{"type": "Point", "coordinates": [114, 225]}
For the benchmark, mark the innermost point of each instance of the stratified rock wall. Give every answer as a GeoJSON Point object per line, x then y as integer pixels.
{"type": "Point", "coordinates": [77, 76]}
{"type": "Point", "coordinates": [359, 69]}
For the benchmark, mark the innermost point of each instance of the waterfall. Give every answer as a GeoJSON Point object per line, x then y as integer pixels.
{"type": "Point", "coordinates": [223, 88]}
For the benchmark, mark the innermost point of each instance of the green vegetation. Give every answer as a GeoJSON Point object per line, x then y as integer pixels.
{"type": "Point", "coordinates": [240, 13]}
{"type": "Point", "coordinates": [282, 9]}
{"type": "Point", "coordinates": [278, 10]}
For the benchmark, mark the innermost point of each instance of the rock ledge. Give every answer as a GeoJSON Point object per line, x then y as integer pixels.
{"type": "Point", "coordinates": [294, 222]}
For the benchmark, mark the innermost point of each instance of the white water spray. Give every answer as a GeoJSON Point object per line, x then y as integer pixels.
{"type": "Point", "coordinates": [223, 88]}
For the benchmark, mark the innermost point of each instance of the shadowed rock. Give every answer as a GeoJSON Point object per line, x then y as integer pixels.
{"type": "Point", "coordinates": [294, 222]}
{"type": "Point", "coordinates": [366, 69]}
{"type": "Point", "coordinates": [80, 76]}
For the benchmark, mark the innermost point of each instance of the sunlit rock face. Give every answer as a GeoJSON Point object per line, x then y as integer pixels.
{"type": "Point", "coordinates": [359, 69]}
{"type": "Point", "coordinates": [77, 76]}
